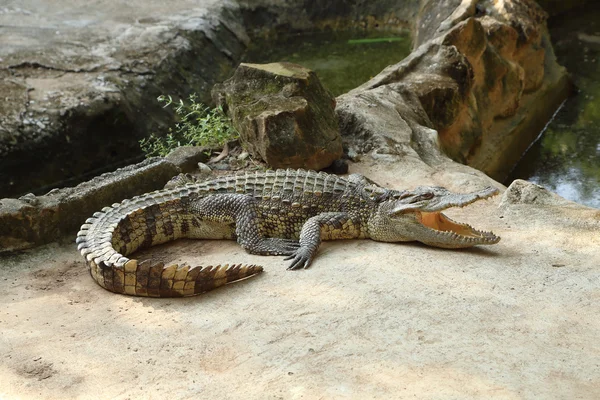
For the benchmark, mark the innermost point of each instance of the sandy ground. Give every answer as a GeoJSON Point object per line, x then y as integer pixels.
{"type": "Point", "coordinates": [517, 320]}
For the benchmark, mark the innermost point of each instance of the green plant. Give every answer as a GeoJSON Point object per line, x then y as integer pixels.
{"type": "Point", "coordinates": [198, 125]}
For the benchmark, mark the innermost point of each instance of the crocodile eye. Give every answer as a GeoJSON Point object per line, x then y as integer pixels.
{"type": "Point", "coordinates": [421, 197]}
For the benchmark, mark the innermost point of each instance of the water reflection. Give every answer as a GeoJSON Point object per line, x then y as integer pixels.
{"type": "Point", "coordinates": [566, 159]}
{"type": "Point", "coordinates": [342, 60]}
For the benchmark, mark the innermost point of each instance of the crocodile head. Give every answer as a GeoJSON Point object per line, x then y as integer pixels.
{"type": "Point", "coordinates": [417, 216]}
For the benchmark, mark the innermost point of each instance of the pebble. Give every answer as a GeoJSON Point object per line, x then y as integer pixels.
{"type": "Point", "coordinates": [221, 166]}
{"type": "Point", "coordinates": [204, 169]}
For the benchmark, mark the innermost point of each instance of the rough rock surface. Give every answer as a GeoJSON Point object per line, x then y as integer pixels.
{"type": "Point", "coordinates": [83, 79]}
{"type": "Point", "coordinates": [517, 320]}
{"type": "Point", "coordinates": [483, 75]}
{"type": "Point", "coordinates": [188, 157]}
{"type": "Point", "coordinates": [283, 114]}
{"type": "Point", "coordinates": [32, 220]}
{"type": "Point", "coordinates": [79, 80]}
{"type": "Point", "coordinates": [523, 192]}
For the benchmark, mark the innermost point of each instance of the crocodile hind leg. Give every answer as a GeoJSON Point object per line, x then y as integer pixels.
{"type": "Point", "coordinates": [325, 226]}
{"type": "Point", "coordinates": [241, 210]}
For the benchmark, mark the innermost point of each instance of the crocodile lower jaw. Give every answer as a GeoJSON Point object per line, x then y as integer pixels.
{"type": "Point", "coordinates": [445, 227]}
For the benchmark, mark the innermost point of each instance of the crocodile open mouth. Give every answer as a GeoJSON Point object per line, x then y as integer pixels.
{"type": "Point", "coordinates": [445, 226]}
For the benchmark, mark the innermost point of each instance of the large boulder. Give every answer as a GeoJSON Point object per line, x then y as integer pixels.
{"type": "Point", "coordinates": [483, 76]}
{"type": "Point", "coordinates": [79, 82]}
{"type": "Point", "coordinates": [283, 114]}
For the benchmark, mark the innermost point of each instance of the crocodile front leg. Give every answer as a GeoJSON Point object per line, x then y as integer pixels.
{"type": "Point", "coordinates": [325, 226]}
{"type": "Point", "coordinates": [241, 210]}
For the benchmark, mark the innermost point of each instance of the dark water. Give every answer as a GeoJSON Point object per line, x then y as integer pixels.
{"type": "Point", "coordinates": [342, 61]}
{"type": "Point", "coordinates": [566, 158]}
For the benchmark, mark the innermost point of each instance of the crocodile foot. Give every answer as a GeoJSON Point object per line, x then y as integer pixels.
{"type": "Point", "coordinates": [300, 259]}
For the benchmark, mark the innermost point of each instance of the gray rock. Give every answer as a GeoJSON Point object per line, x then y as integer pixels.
{"type": "Point", "coordinates": [92, 83]}
{"type": "Point", "coordinates": [33, 220]}
{"type": "Point", "coordinates": [523, 192]}
{"type": "Point", "coordinates": [221, 166]}
{"type": "Point", "coordinates": [204, 170]}
{"type": "Point", "coordinates": [188, 157]}
{"type": "Point", "coordinates": [80, 99]}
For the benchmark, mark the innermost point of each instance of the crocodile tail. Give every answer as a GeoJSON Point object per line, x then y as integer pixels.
{"type": "Point", "coordinates": [156, 280]}
{"type": "Point", "coordinates": [110, 235]}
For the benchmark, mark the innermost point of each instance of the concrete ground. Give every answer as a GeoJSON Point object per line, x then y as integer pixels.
{"type": "Point", "coordinates": [517, 320]}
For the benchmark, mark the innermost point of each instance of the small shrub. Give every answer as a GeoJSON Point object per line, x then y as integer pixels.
{"type": "Point", "coordinates": [198, 125]}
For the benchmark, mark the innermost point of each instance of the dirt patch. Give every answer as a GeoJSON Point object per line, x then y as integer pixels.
{"type": "Point", "coordinates": [171, 253]}
{"type": "Point", "coordinates": [367, 320]}
{"type": "Point", "coordinates": [49, 279]}
{"type": "Point", "coordinates": [36, 369]}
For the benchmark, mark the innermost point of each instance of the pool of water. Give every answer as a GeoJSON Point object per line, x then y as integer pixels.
{"type": "Point", "coordinates": [566, 157]}
{"type": "Point", "coordinates": [342, 61]}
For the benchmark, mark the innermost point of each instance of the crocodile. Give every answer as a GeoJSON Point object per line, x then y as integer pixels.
{"type": "Point", "coordinates": [282, 212]}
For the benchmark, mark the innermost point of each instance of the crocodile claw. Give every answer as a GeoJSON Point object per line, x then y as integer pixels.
{"type": "Point", "coordinates": [301, 259]}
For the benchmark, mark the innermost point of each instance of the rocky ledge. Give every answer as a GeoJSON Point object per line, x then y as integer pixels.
{"type": "Point", "coordinates": [478, 86]}
{"type": "Point", "coordinates": [80, 81]}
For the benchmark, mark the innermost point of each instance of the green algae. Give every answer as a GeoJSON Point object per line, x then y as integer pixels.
{"type": "Point", "coordinates": [342, 60]}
